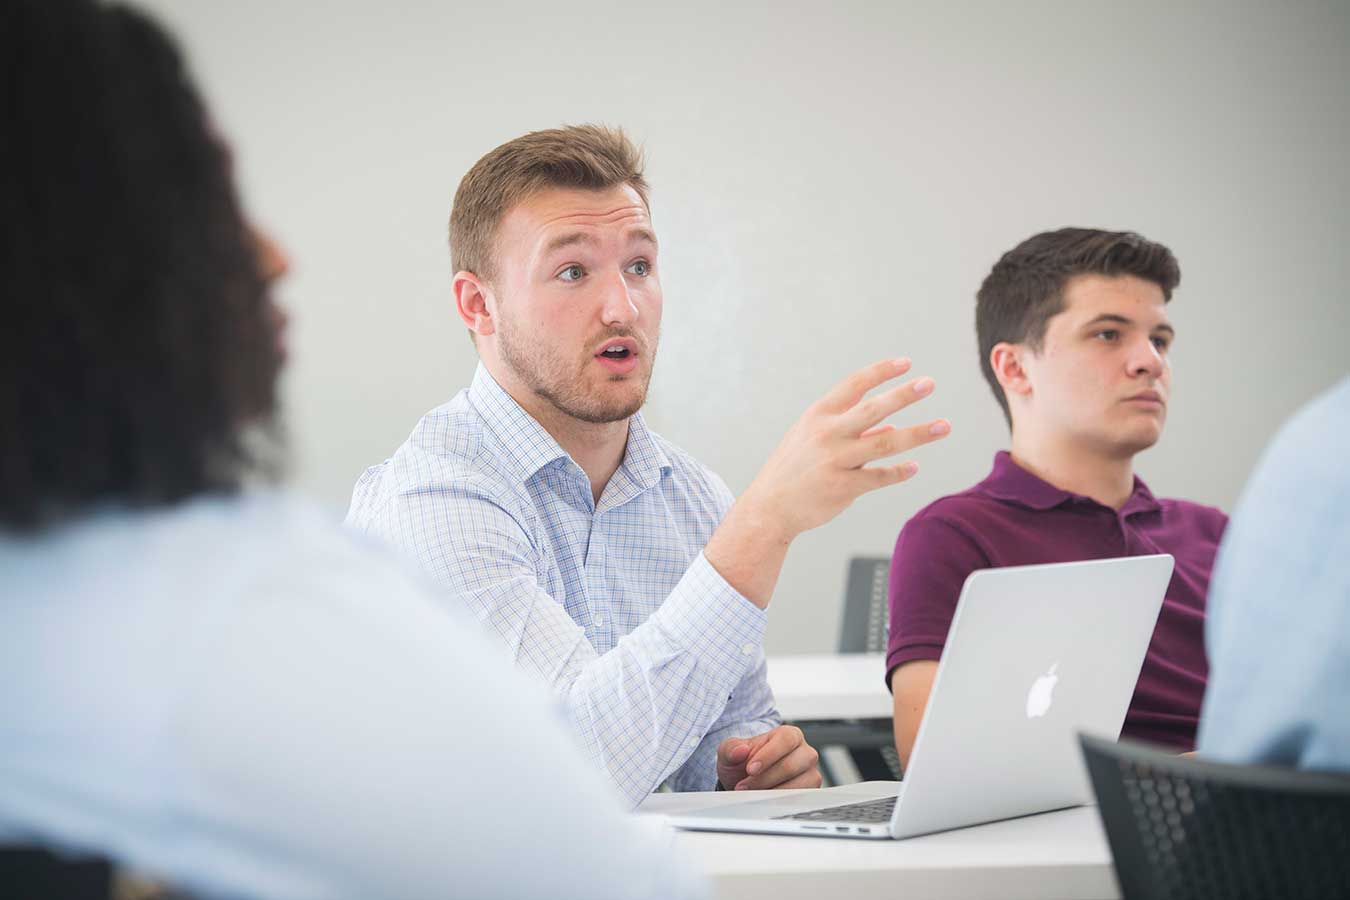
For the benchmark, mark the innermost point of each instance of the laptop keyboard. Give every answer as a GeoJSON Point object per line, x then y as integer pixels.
{"type": "Point", "coordinates": [868, 811]}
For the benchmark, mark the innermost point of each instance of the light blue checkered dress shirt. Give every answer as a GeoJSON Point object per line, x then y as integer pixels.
{"type": "Point", "coordinates": [612, 604]}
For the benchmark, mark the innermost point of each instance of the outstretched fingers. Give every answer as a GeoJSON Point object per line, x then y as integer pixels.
{"type": "Point", "coordinates": [874, 444]}
{"type": "Point", "coordinates": [867, 412]}
{"type": "Point", "coordinates": [846, 394]}
{"type": "Point", "coordinates": [873, 478]}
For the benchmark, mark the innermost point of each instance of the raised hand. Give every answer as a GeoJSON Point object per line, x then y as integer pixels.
{"type": "Point", "coordinates": [821, 465]}
{"type": "Point", "coordinates": [818, 469]}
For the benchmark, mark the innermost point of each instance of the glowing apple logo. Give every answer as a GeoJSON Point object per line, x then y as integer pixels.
{"type": "Point", "coordinates": [1042, 694]}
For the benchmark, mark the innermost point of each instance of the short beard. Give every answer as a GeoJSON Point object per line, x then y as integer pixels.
{"type": "Point", "coordinates": [548, 379]}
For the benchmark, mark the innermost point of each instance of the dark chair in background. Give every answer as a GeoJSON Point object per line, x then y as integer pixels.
{"type": "Point", "coordinates": [867, 616]}
{"type": "Point", "coordinates": [1187, 829]}
{"type": "Point", "coordinates": [870, 743]}
{"type": "Point", "coordinates": [866, 629]}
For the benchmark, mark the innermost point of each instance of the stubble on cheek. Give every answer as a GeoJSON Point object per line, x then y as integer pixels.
{"type": "Point", "coordinates": [568, 387]}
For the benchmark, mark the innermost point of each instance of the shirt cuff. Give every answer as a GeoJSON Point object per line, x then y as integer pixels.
{"type": "Point", "coordinates": [712, 620]}
{"type": "Point", "coordinates": [909, 653]}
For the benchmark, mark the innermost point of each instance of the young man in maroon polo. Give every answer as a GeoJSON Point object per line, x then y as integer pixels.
{"type": "Point", "coordinates": [1074, 341]}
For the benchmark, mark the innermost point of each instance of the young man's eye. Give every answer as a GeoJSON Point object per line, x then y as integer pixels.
{"type": "Point", "coordinates": [1110, 335]}
{"type": "Point", "coordinates": [1161, 343]}
{"type": "Point", "coordinates": [640, 267]}
{"type": "Point", "coordinates": [571, 273]}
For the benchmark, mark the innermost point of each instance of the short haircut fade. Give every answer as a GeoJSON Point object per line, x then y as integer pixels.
{"type": "Point", "coordinates": [586, 157]}
{"type": "Point", "coordinates": [1025, 289]}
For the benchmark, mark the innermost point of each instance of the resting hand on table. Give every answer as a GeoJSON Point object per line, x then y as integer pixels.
{"type": "Point", "coordinates": [775, 759]}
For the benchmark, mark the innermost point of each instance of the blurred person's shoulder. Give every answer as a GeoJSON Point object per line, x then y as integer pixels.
{"type": "Point", "coordinates": [1300, 488]}
{"type": "Point", "coordinates": [139, 599]}
{"type": "Point", "coordinates": [208, 550]}
{"type": "Point", "coordinates": [294, 547]}
{"type": "Point", "coordinates": [1314, 442]}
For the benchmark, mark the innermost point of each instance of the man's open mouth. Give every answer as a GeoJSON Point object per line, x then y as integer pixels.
{"type": "Point", "coordinates": [618, 356]}
{"type": "Point", "coordinates": [618, 349]}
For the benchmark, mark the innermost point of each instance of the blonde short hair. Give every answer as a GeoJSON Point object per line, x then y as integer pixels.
{"type": "Point", "coordinates": [589, 157]}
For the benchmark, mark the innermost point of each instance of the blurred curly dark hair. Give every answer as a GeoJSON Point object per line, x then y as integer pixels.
{"type": "Point", "coordinates": [136, 343]}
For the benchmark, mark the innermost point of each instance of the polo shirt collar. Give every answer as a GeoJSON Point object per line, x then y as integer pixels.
{"type": "Point", "coordinates": [1141, 500]}
{"type": "Point", "coordinates": [1010, 482]}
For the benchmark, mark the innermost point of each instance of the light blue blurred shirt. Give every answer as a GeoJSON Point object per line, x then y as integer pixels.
{"type": "Point", "coordinates": [1278, 633]}
{"type": "Point", "coordinates": [243, 699]}
{"type": "Point", "coordinates": [612, 605]}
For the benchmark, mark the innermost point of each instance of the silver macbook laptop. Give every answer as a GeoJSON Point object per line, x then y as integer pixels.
{"type": "Point", "coordinates": [1035, 655]}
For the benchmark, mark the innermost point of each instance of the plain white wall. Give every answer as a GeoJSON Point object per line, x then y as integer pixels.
{"type": "Point", "coordinates": [830, 187]}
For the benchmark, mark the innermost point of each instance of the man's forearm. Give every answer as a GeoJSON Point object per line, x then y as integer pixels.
{"type": "Point", "coordinates": [748, 550]}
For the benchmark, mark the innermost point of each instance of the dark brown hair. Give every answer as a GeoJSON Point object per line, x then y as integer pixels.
{"type": "Point", "coordinates": [1025, 289]}
{"type": "Point", "coordinates": [136, 341]}
{"type": "Point", "coordinates": [590, 157]}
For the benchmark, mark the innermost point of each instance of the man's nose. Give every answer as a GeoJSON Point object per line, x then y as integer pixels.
{"type": "Point", "coordinates": [618, 308]}
{"type": "Point", "coordinates": [1146, 359]}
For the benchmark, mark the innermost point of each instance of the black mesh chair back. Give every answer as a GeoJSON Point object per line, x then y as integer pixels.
{"type": "Point", "coordinates": [866, 613]}
{"type": "Point", "coordinates": [864, 629]}
{"type": "Point", "coordinates": [1187, 829]}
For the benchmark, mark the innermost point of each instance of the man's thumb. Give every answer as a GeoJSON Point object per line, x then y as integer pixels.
{"type": "Point", "coordinates": [737, 753]}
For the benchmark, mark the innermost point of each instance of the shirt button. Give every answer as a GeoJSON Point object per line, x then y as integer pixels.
{"type": "Point", "coordinates": [748, 649]}
{"type": "Point", "coordinates": [599, 621]}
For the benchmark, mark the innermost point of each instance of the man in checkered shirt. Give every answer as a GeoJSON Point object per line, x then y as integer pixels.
{"type": "Point", "coordinates": [612, 565]}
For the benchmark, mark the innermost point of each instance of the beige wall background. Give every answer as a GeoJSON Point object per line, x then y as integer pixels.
{"type": "Point", "coordinates": [831, 183]}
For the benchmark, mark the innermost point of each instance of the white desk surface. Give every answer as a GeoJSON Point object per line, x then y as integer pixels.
{"type": "Point", "coordinates": [830, 686]}
{"type": "Point", "coordinates": [1053, 855]}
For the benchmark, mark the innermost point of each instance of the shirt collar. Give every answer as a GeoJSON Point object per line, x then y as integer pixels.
{"type": "Point", "coordinates": [527, 447]}
{"type": "Point", "coordinates": [644, 465]}
{"type": "Point", "coordinates": [1010, 482]}
{"type": "Point", "coordinates": [1141, 500]}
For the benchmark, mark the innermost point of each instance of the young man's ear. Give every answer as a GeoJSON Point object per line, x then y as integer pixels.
{"type": "Point", "coordinates": [1006, 360]}
{"type": "Point", "coordinates": [471, 300]}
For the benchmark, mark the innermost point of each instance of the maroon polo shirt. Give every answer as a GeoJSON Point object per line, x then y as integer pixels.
{"type": "Point", "coordinates": [1013, 518]}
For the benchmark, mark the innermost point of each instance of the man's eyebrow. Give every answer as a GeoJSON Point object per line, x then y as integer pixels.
{"type": "Point", "coordinates": [1117, 319]}
{"type": "Point", "coordinates": [572, 238]}
{"type": "Point", "coordinates": [568, 239]}
{"type": "Point", "coordinates": [1112, 318]}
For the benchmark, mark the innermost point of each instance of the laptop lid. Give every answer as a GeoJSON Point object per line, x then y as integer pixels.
{"type": "Point", "coordinates": [1035, 655]}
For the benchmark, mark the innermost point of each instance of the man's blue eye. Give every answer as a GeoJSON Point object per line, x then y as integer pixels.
{"type": "Point", "coordinates": [571, 273]}
{"type": "Point", "coordinates": [641, 267]}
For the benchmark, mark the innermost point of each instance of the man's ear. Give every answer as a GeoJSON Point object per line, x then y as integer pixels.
{"type": "Point", "coordinates": [1006, 360]}
{"type": "Point", "coordinates": [472, 301]}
